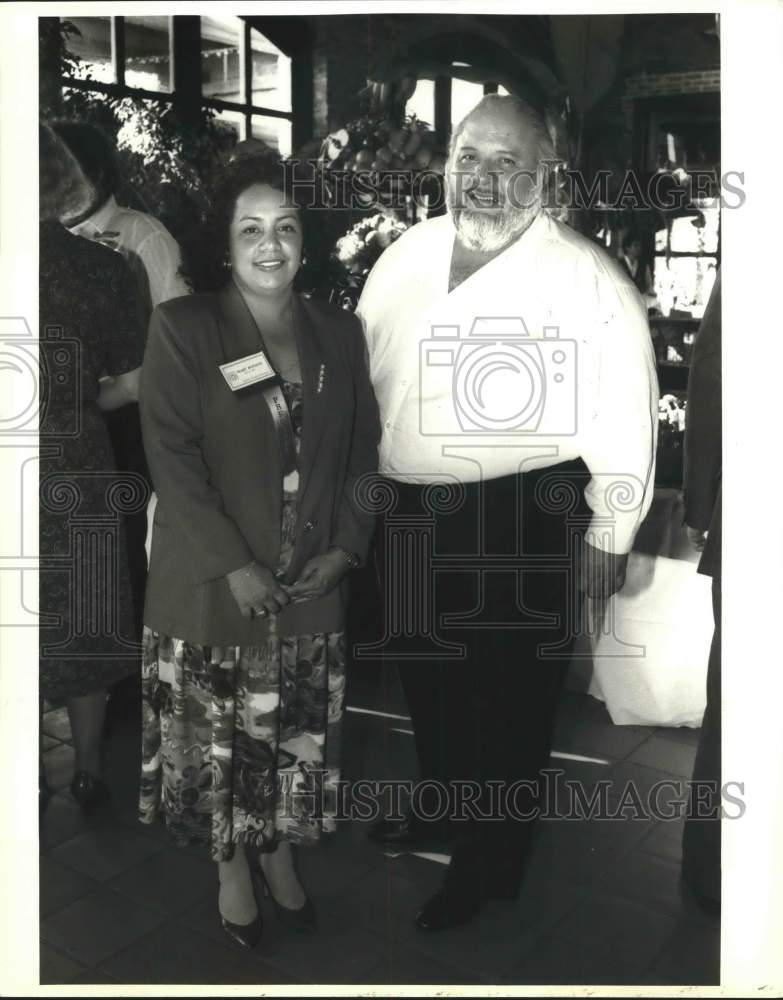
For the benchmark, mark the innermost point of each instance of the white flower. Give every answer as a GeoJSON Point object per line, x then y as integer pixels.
{"type": "Point", "coordinates": [348, 247]}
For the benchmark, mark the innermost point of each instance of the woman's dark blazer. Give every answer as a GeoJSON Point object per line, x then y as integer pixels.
{"type": "Point", "coordinates": [215, 464]}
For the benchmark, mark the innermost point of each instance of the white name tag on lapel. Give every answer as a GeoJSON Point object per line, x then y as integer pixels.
{"type": "Point", "coordinates": [247, 371]}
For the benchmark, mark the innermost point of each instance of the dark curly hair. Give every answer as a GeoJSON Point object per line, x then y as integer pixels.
{"type": "Point", "coordinates": [205, 247]}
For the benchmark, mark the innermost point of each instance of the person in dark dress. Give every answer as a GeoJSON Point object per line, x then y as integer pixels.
{"type": "Point", "coordinates": [88, 331]}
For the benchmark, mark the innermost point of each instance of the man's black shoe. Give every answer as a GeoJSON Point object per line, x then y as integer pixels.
{"type": "Point", "coordinates": [447, 910]}
{"type": "Point", "coordinates": [408, 832]}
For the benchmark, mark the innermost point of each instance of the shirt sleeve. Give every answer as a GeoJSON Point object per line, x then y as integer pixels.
{"type": "Point", "coordinates": [160, 254]}
{"type": "Point", "coordinates": [355, 524]}
{"type": "Point", "coordinates": [172, 426]}
{"type": "Point", "coordinates": [619, 445]}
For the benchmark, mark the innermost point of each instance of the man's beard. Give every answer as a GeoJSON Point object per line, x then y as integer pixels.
{"type": "Point", "coordinates": [489, 233]}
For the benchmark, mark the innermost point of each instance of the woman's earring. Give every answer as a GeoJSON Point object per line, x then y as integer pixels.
{"type": "Point", "coordinates": [227, 261]}
{"type": "Point", "coordinates": [303, 261]}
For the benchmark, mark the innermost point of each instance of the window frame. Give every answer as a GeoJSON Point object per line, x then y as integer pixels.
{"type": "Point", "coordinates": [185, 96]}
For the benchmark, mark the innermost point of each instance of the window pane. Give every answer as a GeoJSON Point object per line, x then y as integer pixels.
{"type": "Point", "coordinates": [221, 71]}
{"type": "Point", "coordinates": [464, 97]}
{"type": "Point", "coordinates": [422, 103]}
{"type": "Point", "coordinates": [91, 47]}
{"type": "Point", "coordinates": [147, 58]}
{"type": "Point", "coordinates": [502, 91]}
{"type": "Point", "coordinates": [275, 132]}
{"type": "Point", "coordinates": [684, 284]}
{"type": "Point", "coordinates": [271, 74]}
{"type": "Point", "coordinates": [693, 234]}
{"type": "Point", "coordinates": [233, 121]}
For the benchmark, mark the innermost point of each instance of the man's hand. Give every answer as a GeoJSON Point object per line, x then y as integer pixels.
{"type": "Point", "coordinates": [601, 574]}
{"type": "Point", "coordinates": [697, 538]}
{"type": "Point", "coordinates": [319, 575]}
{"type": "Point", "coordinates": [256, 591]}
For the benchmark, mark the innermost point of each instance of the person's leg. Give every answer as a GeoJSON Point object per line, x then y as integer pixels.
{"type": "Point", "coordinates": [236, 899]}
{"type": "Point", "coordinates": [281, 877]}
{"type": "Point", "coordinates": [435, 705]}
{"type": "Point", "coordinates": [520, 679]}
{"type": "Point", "coordinates": [86, 714]}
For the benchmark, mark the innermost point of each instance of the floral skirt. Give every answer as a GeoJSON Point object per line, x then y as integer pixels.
{"type": "Point", "coordinates": [241, 744]}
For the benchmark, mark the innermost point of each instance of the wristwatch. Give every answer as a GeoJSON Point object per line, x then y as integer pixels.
{"type": "Point", "coordinates": [353, 560]}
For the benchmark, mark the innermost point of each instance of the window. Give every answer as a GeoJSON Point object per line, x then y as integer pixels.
{"type": "Point", "coordinates": [422, 103]}
{"type": "Point", "coordinates": [247, 80]}
{"type": "Point", "coordinates": [465, 95]}
{"type": "Point", "coordinates": [244, 77]}
{"type": "Point", "coordinates": [148, 53]}
{"type": "Point", "coordinates": [92, 46]}
{"type": "Point", "coordinates": [221, 56]}
{"type": "Point", "coordinates": [444, 102]}
{"type": "Point", "coordinates": [686, 260]}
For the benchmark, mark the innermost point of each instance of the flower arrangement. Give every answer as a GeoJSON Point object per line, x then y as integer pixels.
{"type": "Point", "coordinates": [671, 434]}
{"type": "Point", "coordinates": [363, 244]}
{"type": "Point", "coordinates": [671, 413]}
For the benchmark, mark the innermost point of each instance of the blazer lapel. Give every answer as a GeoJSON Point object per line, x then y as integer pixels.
{"type": "Point", "coordinates": [311, 360]}
{"type": "Point", "coordinates": [240, 336]}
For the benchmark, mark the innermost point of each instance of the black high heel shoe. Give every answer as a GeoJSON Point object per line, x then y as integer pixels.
{"type": "Point", "coordinates": [304, 919]}
{"type": "Point", "coordinates": [88, 790]}
{"type": "Point", "coordinates": [245, 936]}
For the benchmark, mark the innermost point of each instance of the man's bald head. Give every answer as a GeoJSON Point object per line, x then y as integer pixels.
{"type": "Point", "coordinates": [514, 115]}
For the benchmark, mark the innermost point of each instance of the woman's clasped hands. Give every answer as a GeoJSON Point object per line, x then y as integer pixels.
{"type": "Point", "coordinates": [259, 593]}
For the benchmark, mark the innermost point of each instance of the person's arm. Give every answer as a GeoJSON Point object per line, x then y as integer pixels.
{"type": "Point", "coordinates": [160, 254]}
{"type": "Point", "coordinates": [119, 390]}
{"type": "Point", "coordinates": [703, 439]}
{"type": "Point", "coordinates": [171, 421]}
{"type": "Point", "coordinates": [355, 524]}
{"type": "Point", "coordinates": [619, 443]}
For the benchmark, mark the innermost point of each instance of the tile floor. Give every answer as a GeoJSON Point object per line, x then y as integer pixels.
{"type": "Point", "coordinates": [601, 903]}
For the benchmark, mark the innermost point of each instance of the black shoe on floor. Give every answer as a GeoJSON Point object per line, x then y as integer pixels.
{"type": "Point", "coordinates": [88, 790]}
{"type": "Point", "coordinates": [245, 936]}
{"type": "Point", "coordinates": [408, 832]}
{"type": "Point", "coordinates": [447, 910]}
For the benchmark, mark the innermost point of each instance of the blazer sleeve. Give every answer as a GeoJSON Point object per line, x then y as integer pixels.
{"type": "Point", "coordinates": [172, 427]}
{"type": "Point", "coordinates": [703, 438]}
{"type": "Point", "coordinates": [355, 522]}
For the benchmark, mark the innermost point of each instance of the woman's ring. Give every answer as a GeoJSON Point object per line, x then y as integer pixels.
{"type": "Point", "coordinates": [259, 612]}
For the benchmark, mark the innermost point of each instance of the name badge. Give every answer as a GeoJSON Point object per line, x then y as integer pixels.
{"type": "Point", "coordinates": [247, 371]}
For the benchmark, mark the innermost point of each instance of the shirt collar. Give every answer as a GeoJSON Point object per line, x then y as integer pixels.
{"type": "Point", "coordinates": [97, 222]}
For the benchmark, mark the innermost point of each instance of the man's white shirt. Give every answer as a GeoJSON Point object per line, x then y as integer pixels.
{"type": "Point", "coordinates": [541, 356]}
{"type": "Point", "coordinates": [143, 240]}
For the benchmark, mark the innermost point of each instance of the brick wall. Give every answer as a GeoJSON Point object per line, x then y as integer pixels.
{"type": "Point", "coordinates": [664, 84]}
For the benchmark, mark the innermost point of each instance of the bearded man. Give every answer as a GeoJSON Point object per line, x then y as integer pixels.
{"type": "Point", "coordinates": [514, 372]}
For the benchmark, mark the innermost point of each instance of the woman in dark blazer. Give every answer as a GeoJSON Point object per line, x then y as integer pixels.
{"type": "Point", "coordinates": [259, 519]}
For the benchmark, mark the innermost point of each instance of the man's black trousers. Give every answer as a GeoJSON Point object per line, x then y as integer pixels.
{"type": "Point", "coordinates": [500, 553]}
